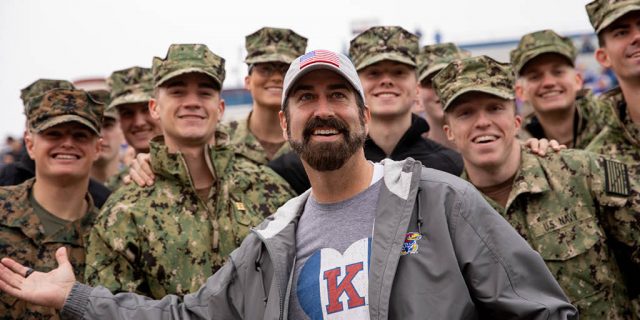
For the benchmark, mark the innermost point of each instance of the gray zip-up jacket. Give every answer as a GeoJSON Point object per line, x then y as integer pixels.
{"type": "Point", "coordinates": [469, 264]}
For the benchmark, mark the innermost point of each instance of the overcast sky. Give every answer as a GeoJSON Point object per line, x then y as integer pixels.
{"type": "Point", "coordinates": [74, 39]}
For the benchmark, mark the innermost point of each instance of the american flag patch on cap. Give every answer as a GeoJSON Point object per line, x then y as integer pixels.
{"type": "Point", "coordinates": [319, 56]}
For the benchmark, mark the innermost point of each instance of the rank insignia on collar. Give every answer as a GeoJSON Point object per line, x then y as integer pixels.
{"type": "Point", "coordinates": [410, 245]}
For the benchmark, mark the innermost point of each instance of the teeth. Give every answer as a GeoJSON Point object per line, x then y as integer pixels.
{"type": "Point", "coordinates": [325, 132]}
{"type": "Point", "coordinates": [66, 157]}
{"type": "Point", "coordinates": [385, 95]}
{"type": "Point", "coordinates": [550, 94]}
{"type": "Point", "coordinates": [483, 139]}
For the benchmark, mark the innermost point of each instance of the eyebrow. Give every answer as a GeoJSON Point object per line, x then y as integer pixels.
{"type": "Point", "coordinates": [306, 87]}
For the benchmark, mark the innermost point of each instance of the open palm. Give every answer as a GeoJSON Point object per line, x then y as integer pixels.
{"type": "Point", "coordinates": [46, 289]}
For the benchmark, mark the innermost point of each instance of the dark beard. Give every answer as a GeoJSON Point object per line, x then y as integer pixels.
{"type": "Point", "coordinates": [328, 156]}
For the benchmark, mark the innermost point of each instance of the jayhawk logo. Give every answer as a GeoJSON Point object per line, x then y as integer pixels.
{"type": "Point", "coordinates": [410, 245]}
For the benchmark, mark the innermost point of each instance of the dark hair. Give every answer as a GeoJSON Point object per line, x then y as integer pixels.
{"type": "Point", "coordinates": [601, 42]}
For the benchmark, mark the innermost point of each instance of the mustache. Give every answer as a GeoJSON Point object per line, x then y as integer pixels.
{"type": "Point", "coordinates": [316, 122]}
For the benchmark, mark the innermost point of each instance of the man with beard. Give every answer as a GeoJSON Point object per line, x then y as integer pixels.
{"type": "Point", "coordinates": [390, 240]}
{"type": "Point", "coordinates": [385, 57]}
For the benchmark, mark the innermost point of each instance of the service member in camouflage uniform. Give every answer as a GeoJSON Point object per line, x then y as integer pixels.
{"type": "Point", "coordinates": [431, 60]}
{"type": "Point", "coordinates": [543, 64]}
{"type": "Point", "coordinates": [617, 24]}
{"type": "Point", "coordinates": [168, 238]}
{"type": "Point", "coordinates": [131, 90]}
{"type": "Point", "coordinates": [55, 208]}
{"type": "Point", "coordinates": [269, 53]}
{"type": "Point", "coordinates": [559, 203]}
{"type": "Point", "coordinates": [107, 165]}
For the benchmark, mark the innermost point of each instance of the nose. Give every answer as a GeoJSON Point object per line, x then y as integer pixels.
{"type": "Point", "coordinates": [548, 80]}
{"type": "Point", "coordinates": [139, 118]}
{"type": "Point", "coordinates": [386, 80]}
{"type": "Point", "coordinates": [482, 120]}
{"type": "Point", "coordinates": [192, 100]}
{"type": "Point", "coordinates": [323, 109]}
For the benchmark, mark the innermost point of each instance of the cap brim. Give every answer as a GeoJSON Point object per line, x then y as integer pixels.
{"type": "Point", "coordinates": [176, 73]}
{"type": "Point", "coordinates": [432, 71]}
{"type": "Point", "coordinates": [617, 14]}
{"type": "Point", "coordinates": [390, 56]}
{"type": "Point", "coordinates": [489, 90]}
{"type": "Point", "coordinates": [320, 66]}
{"type": "Point", "coordinates": [539, 52]}
{"type": "Point", "coordinates": [129, 98]}
{"type": "Point", "coordinates": [64, 119]}
{"type": "Point", "coordinates": [271, 58]}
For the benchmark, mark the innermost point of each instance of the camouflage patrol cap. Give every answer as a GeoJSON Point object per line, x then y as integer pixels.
{"type": "Point", "coordinates": [537, 43]}
{"type": "Point", "coordinates": [131, 85]}
{"type": "Point", "coordinates": [383, 43]}
{"type": "Point", "coordinates": [41, 86]}
{"type": "Point", "coordinates": [104, 97]}
{"type": "Point", "coordinates": [479, 74]}
{"type": "Point", "coordinates": [62, 105]}
{"type": "Point", "coordinates": [435, 57]}
{"type": "Point", "coordinates": [188, 58]}
{"type": "Point", "coordinates": [604, 12]}
{"type": "Point", "coordinates": [274, 45]}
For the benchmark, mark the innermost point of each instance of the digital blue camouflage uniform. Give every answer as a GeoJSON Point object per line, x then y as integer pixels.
{"type": "Point", "coordinates": [164, 239]}
{"type": "Point", "coordinates": [22, 234]}
{"type": "Point", "coordinates": [563, 204]}
{"type": "Point", "coordinates": [264, 45]}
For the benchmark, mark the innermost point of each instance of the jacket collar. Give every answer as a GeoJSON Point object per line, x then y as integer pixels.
{"type": "Point", "coordinates": [530, 177]}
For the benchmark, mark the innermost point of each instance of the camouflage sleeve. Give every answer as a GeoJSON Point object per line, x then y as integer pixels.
{"type": "Point", "coordinates": [276, 191]}
{"type": "Point", "coordinates": [619, 203]}
{"type": "Point", "coordinates": [112, 247]}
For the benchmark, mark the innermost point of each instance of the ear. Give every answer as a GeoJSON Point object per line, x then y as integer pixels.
{"type": "Point", "coordinates": [579, 79]}
{"type": "Point", "coordinates": [221, 108]}
{"type": "Point", "coordinates": [602, 57]}
{"type": "Point", "coordinates": [448, 132]}
{"type": "Point", "coordinates": [519, 90]}
{"type": "Point", "coordinates": [153, 109]}
{"type": "Point", "coordinates": [28, 141]}
{"type": "Point", "coordinates": [98, 146]}
{"type": "Point", "coordinates": [247, 82]}
{"type": "Point", "coordinates": [283, 124]}
{"type": "Point", "coordinates": [518, 122]}
{"type": "Point", "coordinates": [367, 118]}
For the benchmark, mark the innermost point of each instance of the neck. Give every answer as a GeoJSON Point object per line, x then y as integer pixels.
{"type": "Point", "coordinates": [62, 198]}
{"type": "Point", "coordinates": [482, 177]}
{"type": "Point", "coordinates": [265, 124]}
{"type": "Point", "coordinates": [436, 133]}
{"type": "Point", "coordinates": [344, 183]}
{"type": "Point", "coordinates": [386, 133]}
{"type": "Point", "coordinates": [102, 171]}
{"type": "Point", "coordinates": [558, 125]}
{"type": "Point", "coordinates": [196, 161]}
{"type": "Point", "coordinates": [631, 93]}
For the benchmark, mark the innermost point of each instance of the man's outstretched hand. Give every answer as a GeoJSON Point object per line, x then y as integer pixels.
{"type": "Point", "coordinates": [46, 289]}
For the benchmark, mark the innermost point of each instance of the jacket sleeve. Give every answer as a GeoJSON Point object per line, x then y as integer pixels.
{"type": "Point", "coordinates": [214, 300]}
{"type": "Point", "coordinates": [112, 250]}
{"type": "Point", "coordinates": [506, 278]}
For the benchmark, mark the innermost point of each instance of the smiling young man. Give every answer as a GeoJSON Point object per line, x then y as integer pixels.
{"type": "Point", "coordinates": [107, 165]}
{"type": "Point", "coordinates": [131, 90]}
{"type": "Point", "coordinates": [561, 204]}
{"type": "Point", "coordinates": [547, 80]}
{"type": "Point", "coordinates": [269, 53]}
{"type": "Point", "coordinates": [361, 244]}
{"type": "Point", "coordinates": [169, 237]}
{"type": "Point", "coordinates": [385, 57]}
{"type": "Point", "coordinates": [55, 208]}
